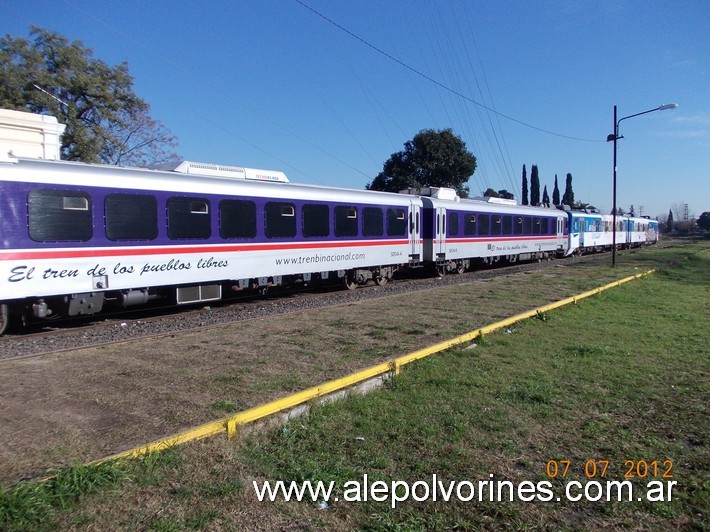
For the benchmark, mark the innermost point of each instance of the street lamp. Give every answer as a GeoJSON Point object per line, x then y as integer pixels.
{"type": "Point", "coordinates": [614, 137]}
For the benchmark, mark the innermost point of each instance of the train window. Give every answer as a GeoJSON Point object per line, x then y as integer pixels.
{"type": "Point", "coordinates": [372, 221]}
{"type": "Point", "coordinates": [453, 224]}
{"type": "Point", "coordinates": [396, 222]}
{"type": "Point", "coordinates": [496, 224]}
{"type": "Point", "coordinates": [187, 218]}
{"type": "Point", "coordinates": [544, 226]}
{"type": "Point", "coordinates": [345, 221]}
{"type": "Point", "coordinates": [59, 216]}
{"type": "Point", "coordinates": [484, 224]}
{"type": "Point", "coordinates": [469, 224]}
{"type": "Point", "coordinates": [536, 226]}
{"type": "Point", "coordinates": [315, 220]}
{"type": "Point", "coordinates": [507, 225]}
{"type": "Point", "coordinates": [280, 219]}
{"type": "Point", "coordinates": [518, 225]}
{"type": "Point", "coordinates": [527, 225]}
{"type": "Point", "coordinates": [131, 217]}
{"type": "Point", "coordinates": [237, 219]}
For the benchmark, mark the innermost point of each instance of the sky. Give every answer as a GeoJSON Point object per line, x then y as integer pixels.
{"type": "Point", "coordinates": [327, 90]}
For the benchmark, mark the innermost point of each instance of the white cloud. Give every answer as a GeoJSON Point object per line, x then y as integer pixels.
{"type": "Point", "coordinates": [699, 119]}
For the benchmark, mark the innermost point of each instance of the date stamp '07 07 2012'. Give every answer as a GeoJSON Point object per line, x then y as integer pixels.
{"type": "Point", "coordinates": [591, 469]}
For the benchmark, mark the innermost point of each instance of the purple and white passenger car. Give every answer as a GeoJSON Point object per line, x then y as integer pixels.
{"type": "Point", "coordinates": [76, 236]}
{"type": "Point", "coordinates": [458, 231]}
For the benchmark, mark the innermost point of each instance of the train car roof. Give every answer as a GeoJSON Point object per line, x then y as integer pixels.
{"type": "Point", "coordinates": [479, 205]}
{"type": "Point", "coordinates": [582, 214]}
{"type": "Point", "coordinates": [107, 176]}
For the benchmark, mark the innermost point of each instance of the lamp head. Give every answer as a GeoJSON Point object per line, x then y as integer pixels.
{"type": "Point", "coordinates": [668, 106]}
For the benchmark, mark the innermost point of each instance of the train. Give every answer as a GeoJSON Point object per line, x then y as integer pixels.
{"type": "Point", "coordinates": [77, 238]}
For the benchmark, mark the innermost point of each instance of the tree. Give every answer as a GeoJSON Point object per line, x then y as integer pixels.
{"type": "Point", "coordinates": [505, 194]}
{"type": "Point", "coordinates": [534, 186]}
{"type": "Point", "coordinates": [556, 193]}
{"type": "Point", "coordinates": [105, 120]}
{"type": "Point", "coordinates": [545, 197]}
{"type": "Point", "coordinates": [525, 187]}
{"type": "Point", "coordinates": [433, 158]}
{"type": "Point", "coordinates": [490, 193]}
{"type": "Point", "coordinates": [568, 196]}
{"type": "Point", "coordinates": [632, 212]}
{"type": "Point", "coordinates": [670, 220]}
{"type": "Point", "coordinates": [704, 221]}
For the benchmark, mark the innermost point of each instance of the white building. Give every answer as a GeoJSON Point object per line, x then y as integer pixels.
{"type": "Point", "coordinates": [29, 135]}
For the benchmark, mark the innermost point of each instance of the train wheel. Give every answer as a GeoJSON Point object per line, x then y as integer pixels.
{"type": "Point", "coordinates": [381, 280]}
{"type": "Point", "coordinates": [441, 270]}
{"type": "Point", "coordinates": [349, 281]}
{"type": "Point", "coordinates": [460, 268]}
{"type": "Point", "coordinates": [4, 318]}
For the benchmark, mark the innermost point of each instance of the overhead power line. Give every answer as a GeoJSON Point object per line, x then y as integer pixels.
{"type": "Point", "coordinates": [434, 81]}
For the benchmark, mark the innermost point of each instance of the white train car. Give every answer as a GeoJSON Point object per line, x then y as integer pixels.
{"type": "Point", "coordinates": [587, 233]}
{"type": "Point", "coordinates": [457, 231]}
{"type": "Point", "coordinates": [74, 236]}
{"type": "Point", "coordinates": [640, 231]}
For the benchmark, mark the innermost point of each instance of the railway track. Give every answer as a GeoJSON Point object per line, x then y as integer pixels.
{"type": "Point", "coordinates": [68, 335]}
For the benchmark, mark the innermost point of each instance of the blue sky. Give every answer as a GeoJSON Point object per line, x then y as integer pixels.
{"type": "Point", "coordinates": [271, 84]}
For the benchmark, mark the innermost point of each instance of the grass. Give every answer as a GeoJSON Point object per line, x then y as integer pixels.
{"type": "Point", "coordinates": [30, 505]}
{"type": "Point", "coordinates": [621, 376]}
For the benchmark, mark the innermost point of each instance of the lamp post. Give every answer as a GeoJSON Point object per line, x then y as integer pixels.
{"type": "Point", "coordinates": [614, 137]}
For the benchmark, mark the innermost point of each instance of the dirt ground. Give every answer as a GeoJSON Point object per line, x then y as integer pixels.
{"type": "Point", "coordinates": [82, 405]}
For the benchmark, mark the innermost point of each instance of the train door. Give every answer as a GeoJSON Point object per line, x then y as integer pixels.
{"type": "Point", "coordinates": [582, 224]}
{"type": "Point", "coordinates": [440, 241]}
{"type": "Point", "coordinates": [629, 232]}
{"type": "Point", "coordinates": [560, 233]}
{"type": "Point", "coordinates": [415, 233]}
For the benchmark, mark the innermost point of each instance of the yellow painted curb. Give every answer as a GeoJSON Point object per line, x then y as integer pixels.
{"type": "Point", "coordinates": [229, 424]}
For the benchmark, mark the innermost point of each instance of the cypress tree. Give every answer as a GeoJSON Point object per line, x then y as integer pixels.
{"type": "Point", "coordinates": [568, 197]}
{"type": "Point", "coordinates": [670, 220]}
{"type": "Point", "coordinates": [545, 196]}
{"type": "Point", "coordinates": [534, 186]}
{"type": "Point", "coordinates": [556, 193]}
{"type": "Point", "coordinates": [525, 187]}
